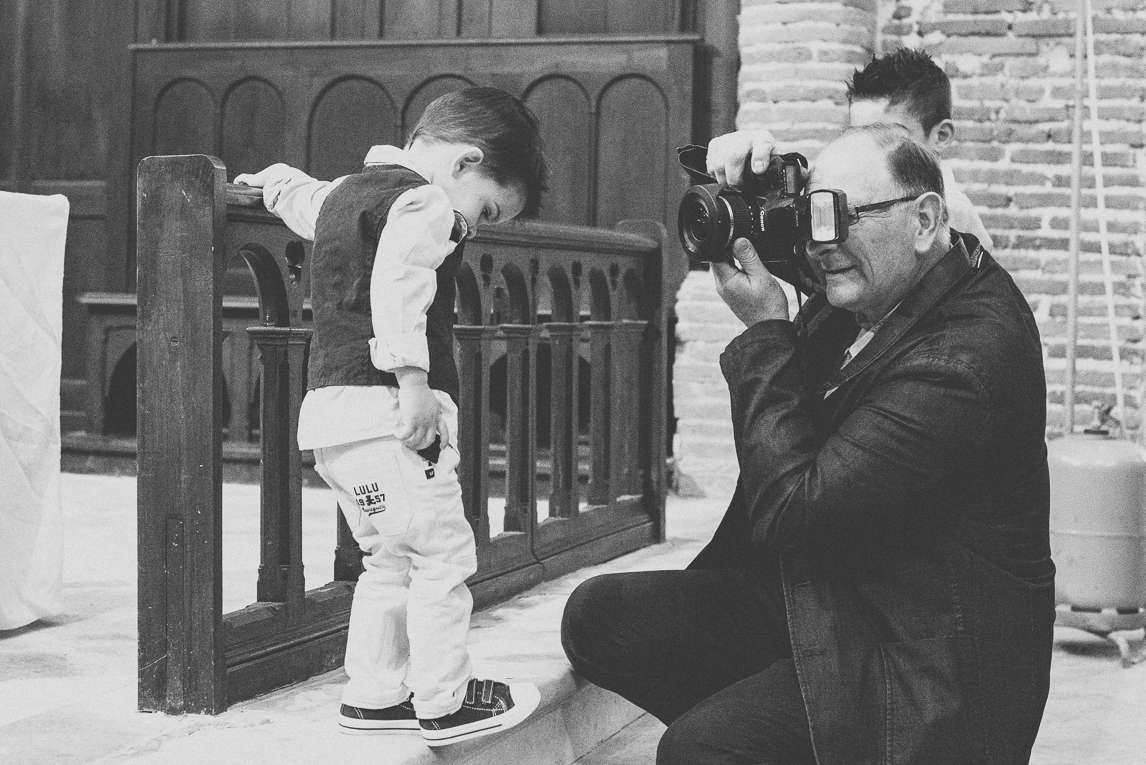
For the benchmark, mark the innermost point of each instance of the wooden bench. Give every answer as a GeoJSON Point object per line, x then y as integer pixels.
{"type": "Point", "coordinates": [111, 340]}
{"type": "Point", "coordinates": [521, 287]}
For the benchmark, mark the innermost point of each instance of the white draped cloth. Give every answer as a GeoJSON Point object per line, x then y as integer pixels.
{"type": "Point", "coordinates": [33, 230]}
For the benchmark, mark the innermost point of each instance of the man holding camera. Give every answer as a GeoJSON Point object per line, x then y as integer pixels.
{"type": "Point", "coordinates": [880, 589]}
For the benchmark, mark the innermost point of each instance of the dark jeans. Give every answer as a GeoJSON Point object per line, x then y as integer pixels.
{"type": "Point", "coordinates": [706, 652]}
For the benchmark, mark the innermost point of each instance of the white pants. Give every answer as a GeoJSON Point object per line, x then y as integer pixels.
{"type": "Point", "coordinates": [411, 609]}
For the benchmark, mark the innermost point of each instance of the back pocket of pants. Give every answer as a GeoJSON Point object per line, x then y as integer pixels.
{"type": "Point", "coordinates": [382, 498]}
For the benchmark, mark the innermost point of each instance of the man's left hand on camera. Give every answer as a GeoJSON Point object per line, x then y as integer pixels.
{"type": "Point", "coordinates": [729, 156]}
{"type": "Point", "coordinates": [750, 291]}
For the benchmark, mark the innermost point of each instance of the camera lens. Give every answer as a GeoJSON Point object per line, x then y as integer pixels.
{"type": "Point", "coordinates": [696, 220]}
{"type": "Point", "coordinates": [703, 223]}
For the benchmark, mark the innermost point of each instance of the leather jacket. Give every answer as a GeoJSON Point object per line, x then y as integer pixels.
{"type": "Point", "coordinates": [905, 514]}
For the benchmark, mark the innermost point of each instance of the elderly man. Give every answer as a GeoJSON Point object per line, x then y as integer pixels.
{"type": "Point", "coordinates": [880, 589]}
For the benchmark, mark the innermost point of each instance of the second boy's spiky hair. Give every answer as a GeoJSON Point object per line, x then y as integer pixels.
{"type": "Point", "coordinates": [503, 127]}
{"type": "Point", "coordinates": [908, 77]}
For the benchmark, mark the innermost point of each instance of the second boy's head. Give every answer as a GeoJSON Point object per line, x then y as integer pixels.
{"type": "Point", "coordinates": [483, 147]}
{"type": "Point", "coordinates": [907, 88]}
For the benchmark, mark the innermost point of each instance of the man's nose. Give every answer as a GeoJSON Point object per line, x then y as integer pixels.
{"type": "Point", "coordinates": [817, 250]}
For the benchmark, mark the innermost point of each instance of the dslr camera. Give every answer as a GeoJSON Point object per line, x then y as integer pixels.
{"type": "Point", "coordinates": [770, 210]}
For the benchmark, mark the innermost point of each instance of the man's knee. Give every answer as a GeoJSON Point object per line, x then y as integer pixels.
{"type": "Point", "coordinates": [584, 618]}
{"type": "Point", "coordinates": [683, 743]}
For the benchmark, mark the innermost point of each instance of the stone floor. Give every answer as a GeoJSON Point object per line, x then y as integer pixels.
{"type": "Point", "coordinates": [67, 685]}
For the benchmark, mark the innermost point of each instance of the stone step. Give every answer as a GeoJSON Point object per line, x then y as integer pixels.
{"type": "Point", "coordinates": [298, 724]}
{"type": "Point", "coordinates": [68, 695]}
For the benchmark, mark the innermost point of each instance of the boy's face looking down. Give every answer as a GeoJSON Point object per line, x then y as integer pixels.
{"type": "Point", "coordinates": [472, 190]}
{"type": "Point", "coordinates": [869, 111]}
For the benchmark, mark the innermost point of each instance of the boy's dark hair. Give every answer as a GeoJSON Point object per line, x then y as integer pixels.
{"type": "Point", "coordinates": [504, 129]}
{"type": "Point", "coordinates": [906, 76]}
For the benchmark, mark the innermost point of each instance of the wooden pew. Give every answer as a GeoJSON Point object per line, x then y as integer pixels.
{"type": "Point", "coordinates": [575, 291]}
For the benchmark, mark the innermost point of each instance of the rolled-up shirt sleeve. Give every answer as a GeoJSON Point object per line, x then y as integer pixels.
{"type": "Point", "coordinates": [412, 244]}
{"type": "Point", "coordinates": [292, 195]}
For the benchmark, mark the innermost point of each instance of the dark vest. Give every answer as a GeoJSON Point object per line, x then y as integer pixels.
{"type": "Point", "coordinates": [345, 242]}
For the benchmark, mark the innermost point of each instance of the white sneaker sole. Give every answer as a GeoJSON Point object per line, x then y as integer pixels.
{"type": "Point", "coordinates": [526, 698]}
{"type": "Point", "coordinates": [365, 727]}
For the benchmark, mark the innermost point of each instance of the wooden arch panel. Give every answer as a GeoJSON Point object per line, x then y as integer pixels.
{"type": "Point", "coordinates": [184, 120]}
{"type": "Point", "coordinates": [633, 152]}
{"type": "Point", "coordinates": [563, 108]}
{"type": "Point", "coordinates": [253, 127]}
{"type": "Point", "coordinates": [349, 117]}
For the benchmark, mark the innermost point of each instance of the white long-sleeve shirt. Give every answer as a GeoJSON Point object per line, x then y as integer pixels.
{"type": "Point", "coordinates": [412, 244]}
{"type": "Point", "coordinates": [961, 212]}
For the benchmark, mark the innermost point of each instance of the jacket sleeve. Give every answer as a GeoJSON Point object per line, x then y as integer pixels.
{"type": "Point", "coordinates": [921, 423]}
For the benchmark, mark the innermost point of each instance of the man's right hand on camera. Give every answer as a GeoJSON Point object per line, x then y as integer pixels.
{"type": "Point", "coordinates": [750, 291]}
{"type": "Point", "coordinates": [729, 155]}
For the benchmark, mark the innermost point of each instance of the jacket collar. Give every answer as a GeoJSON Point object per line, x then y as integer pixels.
{"type": "Point", "coordinates": [965, 255]}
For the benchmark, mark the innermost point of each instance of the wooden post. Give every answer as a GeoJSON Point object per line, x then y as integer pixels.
{"type": "Point", "coordinates": [564, 337]}
{"type": "Point", "coordinates": [662, 281]}
{"type": "Point", "coordinates": [282, 352]}
{"type": "Point", "coordinates": [180, 216]}
{"type": "Point", "coordinates": [520, 430]}
{"type": "Point", "coordinates": [600, 384]}
{"type": "Point", "coordinates": [632, 380]}
{"type": "Point", "coordinates": [474, 343]}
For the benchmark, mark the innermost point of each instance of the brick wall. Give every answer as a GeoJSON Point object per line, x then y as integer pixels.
{"type": "Point", "coordinates": [1012, 70]}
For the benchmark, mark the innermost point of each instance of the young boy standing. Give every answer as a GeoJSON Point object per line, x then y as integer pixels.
{"type": "Point", "coordinates": [380, 411]}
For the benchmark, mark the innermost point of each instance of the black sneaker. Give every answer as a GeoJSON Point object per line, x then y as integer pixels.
{"type": "Point", "coordinates": [488, 707]}
{"type": "Point", "coordinates": [395, 719]}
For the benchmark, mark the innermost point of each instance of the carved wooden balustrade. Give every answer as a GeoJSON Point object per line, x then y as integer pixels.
{"type": "Point", "coordinates": [547, 302]}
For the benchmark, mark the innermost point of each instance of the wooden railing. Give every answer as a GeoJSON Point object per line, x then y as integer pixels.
{"type": "Point", "coordinates": [586, 296]}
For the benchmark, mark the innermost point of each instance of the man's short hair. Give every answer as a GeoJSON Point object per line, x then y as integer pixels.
{"type": "Point", "coordinates": [503, 127]}
{"type": "Point", "coordinates": [913, 166]}
{"type": "Point", "coordinates": [908, 77]}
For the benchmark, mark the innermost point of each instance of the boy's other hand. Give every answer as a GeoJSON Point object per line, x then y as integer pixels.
{"type": "Point", "coordinates": [418, 409]}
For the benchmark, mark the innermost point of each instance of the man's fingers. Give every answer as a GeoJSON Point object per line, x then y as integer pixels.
{"type": "Point", "coordinates": [722, 272]}
{"type": "Point", "coordinates": [763, 144]}
{"type": "Point", "coordinates": [726, 157]}
{"type": "Point", "coordinates": [732, 156]}
{"type": "Point", "coordinates": [748, 258]}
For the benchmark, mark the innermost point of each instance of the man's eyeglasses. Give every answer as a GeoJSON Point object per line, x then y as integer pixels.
{"type": "Point", "coordinates": [824, 215]}
{"type": "Point", "coordinates": [855, 213]}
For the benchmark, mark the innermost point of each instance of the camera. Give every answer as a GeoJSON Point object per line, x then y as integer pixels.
{"type": "Point", "coordinates": [768, 210]}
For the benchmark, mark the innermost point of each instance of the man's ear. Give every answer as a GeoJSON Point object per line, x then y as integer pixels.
{"type": "Point", "coordinates": [931, 214]}
{"type": "Point", "coordinates": [468, 158]}
{"type": "Point", "coordinates": [941, 135]}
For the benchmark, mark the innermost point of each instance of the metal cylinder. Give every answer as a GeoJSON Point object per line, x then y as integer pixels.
{"type": "Point", "coordinates": [1098, 521]}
